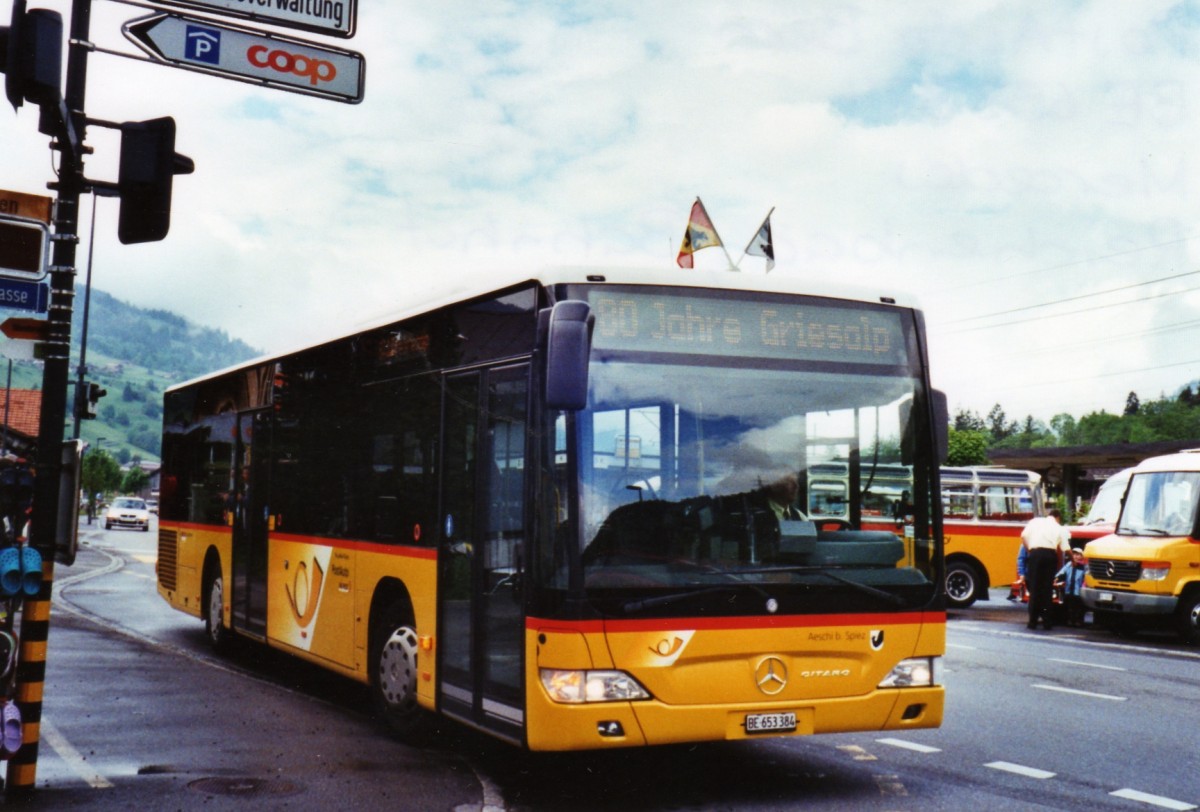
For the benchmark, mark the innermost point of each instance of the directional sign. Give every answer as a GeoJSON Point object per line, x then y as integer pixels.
{"type": "Point", "coordinates": [251, 56]}
{"type": "Point", "coordinates": [20, 204]}
{"type": "Point", "coordinates": [21, 295]}
{"type": "Point", "coordinates": [23, 244]}
{"type": "Point", "coordinates": [29, 329]}
{"type": "Point", "coordinates": [335, 18]}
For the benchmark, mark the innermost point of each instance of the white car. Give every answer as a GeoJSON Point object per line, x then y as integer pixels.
{"type": "Point", "coordinates": [127, 511]}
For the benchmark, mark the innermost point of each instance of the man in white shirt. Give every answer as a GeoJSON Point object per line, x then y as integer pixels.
{"type": "Point", "coordinates": [1043, 537]}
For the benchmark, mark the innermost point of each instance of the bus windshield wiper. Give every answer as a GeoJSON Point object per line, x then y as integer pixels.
{"type": "Point", "coordinates": [866, 589]}
{"type": "Point", "coordinates": [662, 600]}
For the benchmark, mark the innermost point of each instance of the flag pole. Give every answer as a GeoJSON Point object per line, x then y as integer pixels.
{"type": "Point", "coordinates": [746, 250]}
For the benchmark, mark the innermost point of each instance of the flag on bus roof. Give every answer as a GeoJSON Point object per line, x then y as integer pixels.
{"type": "Point", "coordinates": [700, 233]}
{"type": "Point", "coordinates": [761, 244]}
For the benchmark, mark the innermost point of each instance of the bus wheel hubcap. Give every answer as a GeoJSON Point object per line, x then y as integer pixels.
{"type": "Point", "coordinates": [398, 669]}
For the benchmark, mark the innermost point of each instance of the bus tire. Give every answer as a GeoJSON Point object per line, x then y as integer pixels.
{"type": "Point", "coordinates": [962, 584]}
{"type": "Point", "coordinates": [1188, 617]}
{"type": "Point", "coordinates": [394, 652]}
{"type": "Point", "coordinates": [219, 636]}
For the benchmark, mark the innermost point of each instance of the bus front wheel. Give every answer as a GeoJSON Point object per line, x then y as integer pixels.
{"type": "Point", "coordinates": [394, 673]}
{"type": "Point", "coordinates": [962, 584]}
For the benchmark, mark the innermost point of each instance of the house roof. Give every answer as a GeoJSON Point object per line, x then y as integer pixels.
{"type": "Point", "coordinates": [24, 410]}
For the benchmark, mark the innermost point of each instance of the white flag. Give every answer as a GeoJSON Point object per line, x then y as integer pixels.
{"type": "Point", "coordinates": [761, 245]}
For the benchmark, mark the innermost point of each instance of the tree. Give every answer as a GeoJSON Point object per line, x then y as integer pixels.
{"type": "Point", "coordinates": [967, 448]}
{"type": "Point", "coordinates": [1132, 404]}
{"type": "Point", "coordinates": [135, 479]}
{"type": "Point", "coordinates": [100, 473]}
{"type": "Point", "coordinates": [998, 425]}
{"type": "Point", "coordinates": [967, 420]}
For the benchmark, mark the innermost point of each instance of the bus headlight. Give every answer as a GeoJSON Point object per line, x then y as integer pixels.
{"type": "Point", "coordinates": [591, 686]}
{"type": "Point", "coordinates": [1155, 570]}
{"type": "Point", "coordinates": [916, 672]}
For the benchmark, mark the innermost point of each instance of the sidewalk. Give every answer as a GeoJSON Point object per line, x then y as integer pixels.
{"type": "Point", "coordinates": [132, 724]}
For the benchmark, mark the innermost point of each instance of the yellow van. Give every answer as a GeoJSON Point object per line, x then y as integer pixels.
{"type": "Point", "coordinates": [1147, 572]}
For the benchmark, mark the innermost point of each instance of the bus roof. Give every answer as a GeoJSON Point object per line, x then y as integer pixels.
{"type": "Point", "coordinates": [1183, 461]}
{"type": "Point", "coordinates": [449, 290]}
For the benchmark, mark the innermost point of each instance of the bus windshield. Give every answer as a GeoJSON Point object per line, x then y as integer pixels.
{"type": "Point", "coordinates": [700, 467]}
{"type": "Point", "coordinates": [1160, 503]}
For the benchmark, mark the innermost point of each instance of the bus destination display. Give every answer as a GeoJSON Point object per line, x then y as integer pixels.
{"type": "Point", "coordinates": [774, 329]}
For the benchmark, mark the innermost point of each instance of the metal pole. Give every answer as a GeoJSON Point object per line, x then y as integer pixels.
{"type": "Point", "coordinates": [35, 615]}
{"type": "Point", "coordinates": [87, 306]}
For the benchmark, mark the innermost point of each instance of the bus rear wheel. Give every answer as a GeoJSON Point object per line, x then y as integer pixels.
{"type": "Point", "coordinates": [962, 584]}
{"type": "Point", "coordinates": [214, 619]}
{"type": "Point", "coordinates": [394, 674]}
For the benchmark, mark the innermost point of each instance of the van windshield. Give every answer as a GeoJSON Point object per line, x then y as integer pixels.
{"type": "Point", "coordinates": [1160, 503]}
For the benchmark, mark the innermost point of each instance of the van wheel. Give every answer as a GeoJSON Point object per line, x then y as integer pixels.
{"type": "Point", "coordinates": [1188, 617]}
{"type": "Point", "coordinates": [962, 584]}
{"type": "Point", "coordinates": [394, 651]}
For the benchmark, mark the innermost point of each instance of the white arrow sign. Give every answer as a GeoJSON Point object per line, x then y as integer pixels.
{"type": "Point", "coordinates": [334, 17]}
{"type": "Point", "coordinates": [250, 56]}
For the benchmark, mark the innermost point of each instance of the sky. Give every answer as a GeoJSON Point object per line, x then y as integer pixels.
{"type": "Point", "coordinates": [1028, 170]}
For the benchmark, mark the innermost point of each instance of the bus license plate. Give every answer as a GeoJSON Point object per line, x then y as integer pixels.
{"type": "Point", "coordinates": [1105, 597]}
{"type": "Point", "coordinates": [770, 722]}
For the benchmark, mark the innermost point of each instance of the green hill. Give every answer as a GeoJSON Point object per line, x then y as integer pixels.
{"type": "Point", "coordinates": [135, 353]}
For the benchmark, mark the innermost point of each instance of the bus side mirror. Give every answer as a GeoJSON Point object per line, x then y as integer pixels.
{"type": "Point", "coordinates": [568, 346]}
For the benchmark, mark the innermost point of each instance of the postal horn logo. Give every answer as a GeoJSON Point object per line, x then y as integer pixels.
{"type": "Point", "coordinates": [305, 592]}
{"type": "Point", "coordinates": [771, 676]}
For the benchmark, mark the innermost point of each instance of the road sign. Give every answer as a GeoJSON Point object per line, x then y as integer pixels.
{"type": "Point", "coordinates": [18, 294]}
{"type": "Point", "coordinates": [20, 204]}
{"type": "Point", "coordinates": [336, 19]}
{"type": "Point", "coordinates": [30, 329]}
{"type": "Point", "coordinates": [23, 244]}
{"type": "Point", "coordinates": [251, 56]}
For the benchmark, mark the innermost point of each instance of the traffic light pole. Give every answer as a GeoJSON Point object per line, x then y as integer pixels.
{"type": "Point", "coordinates": [35, 618]}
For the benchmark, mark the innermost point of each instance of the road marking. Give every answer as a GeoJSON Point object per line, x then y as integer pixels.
{"type": "Point", "coordinates": [961, 646]}
{"type": "Point", "coordinates": [72, 757]}
{"type": "Point", "coordinates": [1156, 800]}
{"type": "Point", "coordinates": [857, 752]}
{"type": "Point", "coordinates": [890, 785]}
{"type": "Point", "coordinates": [1088, 665]}
{"type": "Point", "coordinates": [980, 628]}
{"type": "Point", "coordinates": [1077, 692]}
{"type": "Point", "coordinates": [1018, 769]}
{"type": "Point", "coordinates": [905, 745]}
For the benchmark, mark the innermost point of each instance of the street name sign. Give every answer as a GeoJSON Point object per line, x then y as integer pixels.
{"type": "Point", "coordinates": [251, 56]}
{"type": "Point", "coordinates": [337, 18]}
{"type": "Point", "coordinates": [19, 294]}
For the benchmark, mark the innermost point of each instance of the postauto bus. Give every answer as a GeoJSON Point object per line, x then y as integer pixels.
{"type": "Point", "coordinates": [540, 508]}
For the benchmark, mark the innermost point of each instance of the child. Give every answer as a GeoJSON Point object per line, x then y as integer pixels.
{"type": "Point", "coordinates": [1070, 580]}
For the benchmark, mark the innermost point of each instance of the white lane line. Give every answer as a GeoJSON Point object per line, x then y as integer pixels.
{"type": "Point", "coordinates": [905, 745]}
{"type": "Point", "coordinates": [1156, 800]}
{"type": "Point", "coordinates": [1088, 665]}
{"type": "Point", "coordinates": [961, 646]}
{"type": "Point", "coordinates": [72, 757]}
{"type": "Point", "coordinates": [1018, 769]}
{"type": "Point", "coordinates": [1077, 692]}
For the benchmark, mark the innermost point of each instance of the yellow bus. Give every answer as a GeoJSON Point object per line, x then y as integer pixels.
{"type": "Point", "coordinates": [540, 508]}
{"type": "Point", "coordinates": [984, 510]}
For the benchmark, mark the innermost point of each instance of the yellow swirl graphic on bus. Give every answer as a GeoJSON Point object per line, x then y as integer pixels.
{"type": "Point", "coordinates": [304, 596]}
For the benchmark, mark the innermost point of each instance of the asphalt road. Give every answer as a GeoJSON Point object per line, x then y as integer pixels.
{"type": "Point", "coordinates": [139, 714]}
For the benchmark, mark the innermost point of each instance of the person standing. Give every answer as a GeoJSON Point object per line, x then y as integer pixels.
{"type": "Point", "coordinates": [1071, 577]}
{"type": "Point", "coordinates": [1042, 538]}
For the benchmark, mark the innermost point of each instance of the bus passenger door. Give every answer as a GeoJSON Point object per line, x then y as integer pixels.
{"type": "Point", "coordinates": [481, 587]}
{"type": "Point", "coordinates": [250, 488]}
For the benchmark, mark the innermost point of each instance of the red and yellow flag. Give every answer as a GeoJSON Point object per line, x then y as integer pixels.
{"type": "Point", "coordinates": [700, 233]}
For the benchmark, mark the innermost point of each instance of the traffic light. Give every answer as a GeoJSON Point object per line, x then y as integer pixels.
{"type": "Point", "coordinates": [32, 56]}
{"type": "Point", "coordinates": [86, 395]}
{"type": "Point", "coordinates": [149, 164]}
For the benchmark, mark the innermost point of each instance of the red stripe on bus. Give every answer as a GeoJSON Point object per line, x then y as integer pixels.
{"type": "Point", "coordinates": [408, 551]}
{"type": "Point", "coordinates": [736, 623]}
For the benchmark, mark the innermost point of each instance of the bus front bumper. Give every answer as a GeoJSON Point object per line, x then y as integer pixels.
{"type": "Point", "coordinates": [1128, 603]}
